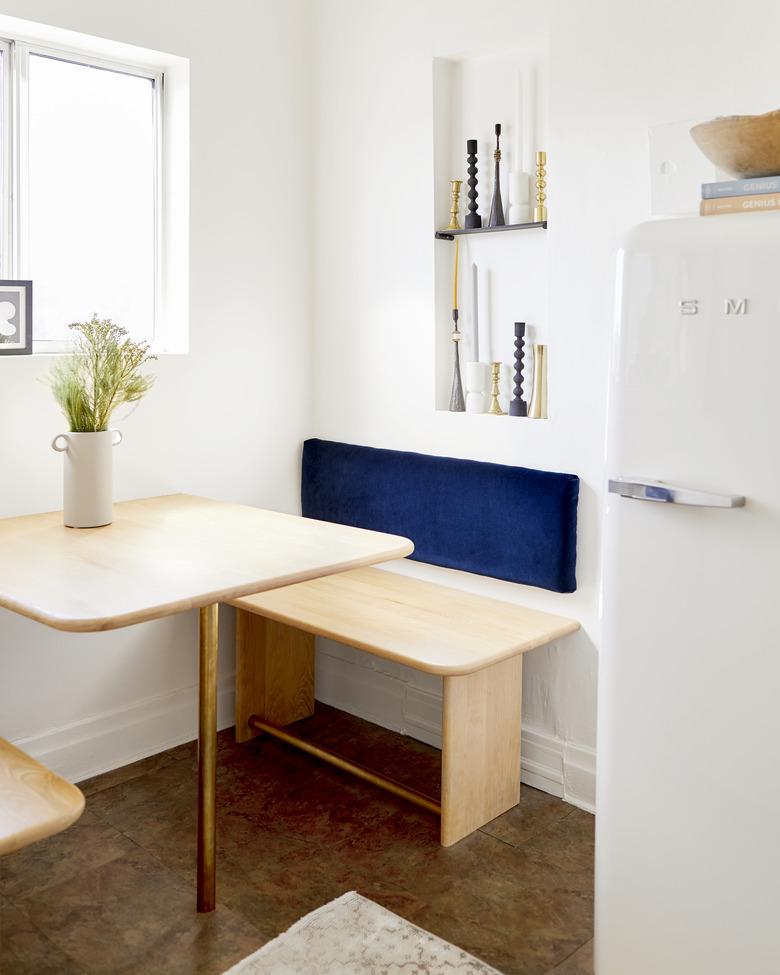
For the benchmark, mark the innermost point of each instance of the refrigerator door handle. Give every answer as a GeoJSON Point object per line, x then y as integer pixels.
{"type": "Point", "coordinates": [643, 490]}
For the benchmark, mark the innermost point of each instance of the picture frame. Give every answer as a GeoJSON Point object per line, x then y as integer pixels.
{"type": "Point", "coordinates": [16, 321]}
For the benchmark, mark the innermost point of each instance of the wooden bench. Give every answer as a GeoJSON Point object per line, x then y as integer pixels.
{"type": "Point", "coordinates": [474, 643]}
{"type": "Point", "coordinates": [34, 802]}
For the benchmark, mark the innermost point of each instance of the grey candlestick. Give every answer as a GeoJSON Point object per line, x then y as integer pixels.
{"type": "Point", "coordinates": [457, 400]}
{"type": "Point", "coordinates": [497, 207]}
{"type": "Point", "coordinates": [518, 406]}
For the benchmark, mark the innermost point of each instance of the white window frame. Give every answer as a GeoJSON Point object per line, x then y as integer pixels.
{"type": "Point", "coordinates": [15, 256]}
{"type": "Point", "coordinates": [6, 162]}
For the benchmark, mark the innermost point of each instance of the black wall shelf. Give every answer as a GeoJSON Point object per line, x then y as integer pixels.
{"type": "Point", "coordinates": [452, 234]}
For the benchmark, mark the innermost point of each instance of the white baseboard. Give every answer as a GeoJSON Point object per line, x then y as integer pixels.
{"type": "Point", "coordinates": [409, 702]}
{"type": "Point", "coordinates": [115, 738]}
{"type": "Point", "coordinates": [388, 694]}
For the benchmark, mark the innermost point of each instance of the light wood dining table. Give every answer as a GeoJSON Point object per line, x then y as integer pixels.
{"type": "Point", "coordinates": [166, 555]}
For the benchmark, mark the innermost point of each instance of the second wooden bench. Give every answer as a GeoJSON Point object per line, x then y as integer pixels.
{"type": "Point", "coordinates": [475, 644]}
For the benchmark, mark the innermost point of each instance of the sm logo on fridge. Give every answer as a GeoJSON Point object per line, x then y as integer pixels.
{"type": "Point", "coordinates": [731, 306]}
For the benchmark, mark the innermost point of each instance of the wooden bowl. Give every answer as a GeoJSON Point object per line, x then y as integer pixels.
{"type": "Point", "coordinates": [743, 146]}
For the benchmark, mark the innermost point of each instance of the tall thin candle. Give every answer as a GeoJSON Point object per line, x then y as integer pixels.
{"type": "Point", "coordinates": [455, 280]}
{"type": "Point", "coordinates": [529, 120]}
{"type": "Point", "coordinates": [475, 311]}
{"type": "Point", "coordinates": [517, 161]}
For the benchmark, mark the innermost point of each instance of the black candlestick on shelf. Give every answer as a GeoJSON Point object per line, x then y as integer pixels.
{"type": "Point", "coordinates": [473, 219]}
{"type": "Point", "coordinates": [518, 406]}
{"type": "Point", "coordinates": [497, 207]}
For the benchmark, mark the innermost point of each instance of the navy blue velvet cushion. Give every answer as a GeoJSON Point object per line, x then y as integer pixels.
{"type": "Point", "coordinates": [507, 522]}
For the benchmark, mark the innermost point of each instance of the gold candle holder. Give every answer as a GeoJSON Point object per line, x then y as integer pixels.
{"type": "Point", "coordinates": [495, 406]}
{"type": "Point", "coordinates": [455, 185]}
{"type": "Point", "coordinates": [540, 210]}
{"type": "Point", "coordinates": [538, 408]}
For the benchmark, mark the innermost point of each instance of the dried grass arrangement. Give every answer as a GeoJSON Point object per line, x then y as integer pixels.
{"type": "Point", "coordinates": [101, 374]}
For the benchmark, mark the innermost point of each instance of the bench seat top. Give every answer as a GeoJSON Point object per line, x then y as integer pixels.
{"type": "Point", "coordinates": [34, 801]}
{"type": "Point", "coordinates": [431, 628]}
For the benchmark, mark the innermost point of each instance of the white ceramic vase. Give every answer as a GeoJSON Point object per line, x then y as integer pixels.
{"type": "Point", "coordinates": [88, 477]}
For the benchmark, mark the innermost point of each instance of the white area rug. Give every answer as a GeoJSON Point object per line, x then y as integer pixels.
{"type": "Point", "coordinates": [355, 936]}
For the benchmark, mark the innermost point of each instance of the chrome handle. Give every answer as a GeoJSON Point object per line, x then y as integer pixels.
{"type": "Point", "coordinates": [668, 494]}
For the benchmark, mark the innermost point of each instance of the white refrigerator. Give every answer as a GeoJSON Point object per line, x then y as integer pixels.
{"type": "Point", "coordinates": [688, 804]}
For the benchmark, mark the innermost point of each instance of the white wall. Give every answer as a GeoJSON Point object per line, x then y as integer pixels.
{"type": "Point", "coordinates": [374, 297]}
{"type": "Point", "coordinates": [210, 426]}
{"type": "Point", "coordinates": [615, 70]}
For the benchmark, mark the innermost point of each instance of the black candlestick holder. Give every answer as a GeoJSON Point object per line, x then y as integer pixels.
{"type": "Point", "coordinates": [473, 220]}
{"type": "Point", "coordinates": [518, 406]}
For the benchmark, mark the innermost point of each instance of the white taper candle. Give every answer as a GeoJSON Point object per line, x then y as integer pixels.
{"type": "Point", "coordinates": [529, 120]}
{"type": "Point", "coordinates": [475, 311]}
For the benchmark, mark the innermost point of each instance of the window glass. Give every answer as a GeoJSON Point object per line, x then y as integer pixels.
{"type": "Point", "coordinates": [92, 184]}
{"type": "Point", "coordinates": [4, 262]}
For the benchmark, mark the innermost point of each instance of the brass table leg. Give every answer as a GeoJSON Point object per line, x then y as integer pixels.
{"type": "Point", "coordinates": [207, 760]}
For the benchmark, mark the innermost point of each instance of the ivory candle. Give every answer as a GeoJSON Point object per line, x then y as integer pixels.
{"type": "Point", "coordinates": [520, 111]}
{"type": "Point", "coordinates": [475, 311]}
{"type": "Point", "coordinates": [529, 121]}
{"type": "Point", "coordinates": [455, 281]}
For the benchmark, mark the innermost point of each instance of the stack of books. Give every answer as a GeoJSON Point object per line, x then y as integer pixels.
{"type": "Point", "coordinates": [740, 196]}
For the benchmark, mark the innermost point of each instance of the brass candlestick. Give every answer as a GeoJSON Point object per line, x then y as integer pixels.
{"type": "Point", "coordinates": [540, 210]}
{"type": "Point", "coordinates": [455, 184]}
{"type": "Point", "coordinates": [495, 406]}
{"type": "Point", "coordinates": [538, 408]}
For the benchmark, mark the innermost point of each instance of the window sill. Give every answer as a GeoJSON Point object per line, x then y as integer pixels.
{"type": "Point", "coordinates": [45, 351]}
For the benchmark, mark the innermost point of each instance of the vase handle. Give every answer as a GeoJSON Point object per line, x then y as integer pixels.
{"type": "Point", "coordinates": [60, 436]}
{"type": "Point", "coordinates": [116, 443]}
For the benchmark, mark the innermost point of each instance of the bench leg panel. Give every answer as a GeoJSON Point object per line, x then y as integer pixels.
{"type": "Point", "coordinates": [274, 673]}
{"type": "Point", "coordinates": [480, 748]}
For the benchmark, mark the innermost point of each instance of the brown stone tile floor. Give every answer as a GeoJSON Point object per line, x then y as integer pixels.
{"type": "Point", "coordinates": [115, 893]}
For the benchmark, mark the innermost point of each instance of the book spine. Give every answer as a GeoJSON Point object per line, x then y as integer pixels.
{"type": "Point", "coordinates": [740, 187]}
{"type": "Point", "coordinates": [740, 204]}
